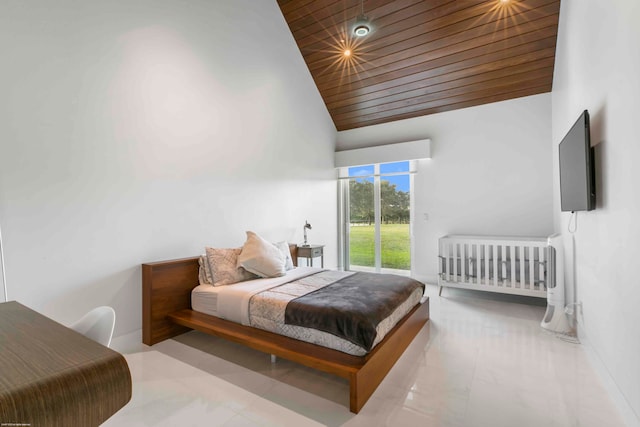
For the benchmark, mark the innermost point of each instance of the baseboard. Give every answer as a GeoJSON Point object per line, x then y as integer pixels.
{"type": "Point", "coordinates": [428, 280]}
{"type": "Point", "coordinates": [128, 343]}
{"type": "Point", "coordinates": [629, 416]}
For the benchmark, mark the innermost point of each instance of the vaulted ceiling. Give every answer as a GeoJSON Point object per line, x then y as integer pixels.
{"type": "Point", "coordinates": [423, 57]}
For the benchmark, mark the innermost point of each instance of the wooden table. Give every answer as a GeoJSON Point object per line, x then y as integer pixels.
{"type": "Point", "coordinates": [51, 375]}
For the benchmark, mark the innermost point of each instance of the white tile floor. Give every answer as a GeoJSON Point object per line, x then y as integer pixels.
{"type": "Point", "coordinates": [478, 362]}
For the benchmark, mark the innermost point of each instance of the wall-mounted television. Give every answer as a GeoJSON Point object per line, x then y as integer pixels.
{"type": "Point", "coordinates": [577, 169]}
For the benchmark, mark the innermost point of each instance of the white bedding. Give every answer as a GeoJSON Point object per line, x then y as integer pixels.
{"type": "Point", "coordinates": [233, 303]}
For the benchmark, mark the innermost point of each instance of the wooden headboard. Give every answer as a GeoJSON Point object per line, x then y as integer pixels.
{"type": "Point", "coordinates": [166, 288]}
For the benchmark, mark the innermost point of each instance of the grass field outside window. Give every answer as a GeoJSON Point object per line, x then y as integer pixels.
{"type": "Point", "coordinates": [394, 247]}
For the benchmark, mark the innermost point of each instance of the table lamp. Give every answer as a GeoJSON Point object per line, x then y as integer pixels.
{"type": "Point", "coordinates": [306, 227]}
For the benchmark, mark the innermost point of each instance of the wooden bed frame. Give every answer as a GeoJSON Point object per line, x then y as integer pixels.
{"type": "Point", "coordinates": [166, 312]}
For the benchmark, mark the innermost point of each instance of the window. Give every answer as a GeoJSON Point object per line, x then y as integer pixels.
{"type": "Point", "coordinates": [376, 217]}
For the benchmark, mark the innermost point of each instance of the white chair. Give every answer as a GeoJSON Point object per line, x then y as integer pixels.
{"type": "Point", "coordinates": [97, 324]}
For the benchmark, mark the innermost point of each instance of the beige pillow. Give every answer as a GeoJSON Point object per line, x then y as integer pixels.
{"type": "Point", "coordinates": [224, 268]}
{"type": "Point", "coordinates": [261, 257]}
{"type": "Point", "coordinates": [204, 273]}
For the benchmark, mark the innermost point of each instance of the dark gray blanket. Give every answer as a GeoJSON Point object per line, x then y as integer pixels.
{"type": "Point", "coordinates": [351, 308]}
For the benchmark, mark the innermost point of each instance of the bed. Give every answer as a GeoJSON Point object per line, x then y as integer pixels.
{"type": "Point", "coordinates": [167, 312]}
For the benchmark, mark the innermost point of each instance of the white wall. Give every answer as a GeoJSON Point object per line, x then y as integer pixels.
{"type": "Point", "coordinates": [490, 172]}
{"type": "Point", "coordinates": [136, 131]}
{"type": "Point", "coordinates": [597, 68]}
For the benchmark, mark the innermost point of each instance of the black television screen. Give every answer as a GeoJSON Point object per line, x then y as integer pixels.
{"type": "Point", "coordinates": [577, 171]}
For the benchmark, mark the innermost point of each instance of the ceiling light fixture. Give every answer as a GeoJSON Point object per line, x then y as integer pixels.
{"type": "Point", "coordinates": [362, 26]}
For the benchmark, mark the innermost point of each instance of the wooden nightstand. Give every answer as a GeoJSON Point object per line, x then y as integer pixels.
{"type": "Point", "coordinates": [310, 252]}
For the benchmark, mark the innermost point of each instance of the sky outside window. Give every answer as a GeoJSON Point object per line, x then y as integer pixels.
{"type": "Point", "coordinates": [400, 181]}
{"type": "Point", "coordinates": [361, 170]}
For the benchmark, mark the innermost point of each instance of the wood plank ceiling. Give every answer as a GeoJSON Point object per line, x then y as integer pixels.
{"type": "Point", "coordinates": [423, 57]}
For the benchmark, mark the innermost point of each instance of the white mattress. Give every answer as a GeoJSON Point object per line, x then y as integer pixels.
{"type": "Point", "coordinates": [234, 299]}
{"type": "Point", "coordinates": [233, 303]}
{"type": "Point", "coordinates": [204, 298]}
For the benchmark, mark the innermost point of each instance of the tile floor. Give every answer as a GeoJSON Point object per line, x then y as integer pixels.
{"type": "Point", "coordinates": [478, 362]}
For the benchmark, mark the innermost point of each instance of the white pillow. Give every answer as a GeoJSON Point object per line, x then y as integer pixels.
{"type": "Point", "coordinates": [261, 257]}
{"type": "Point", "coordinates": [284, 249]}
